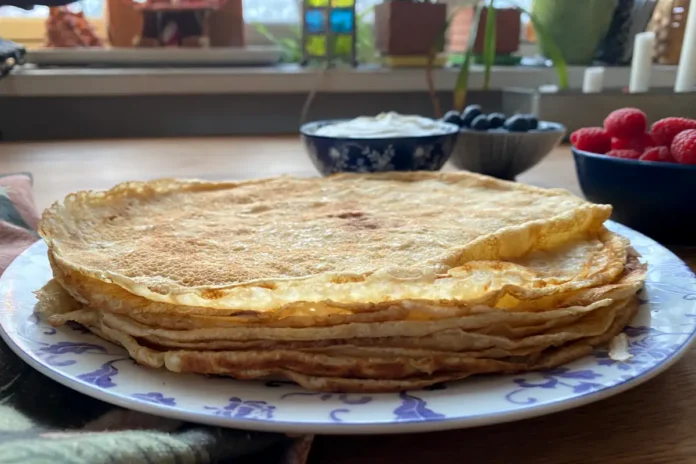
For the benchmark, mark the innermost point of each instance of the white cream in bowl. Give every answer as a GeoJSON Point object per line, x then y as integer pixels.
{"type": "Point", "coordinates": [385, 125]}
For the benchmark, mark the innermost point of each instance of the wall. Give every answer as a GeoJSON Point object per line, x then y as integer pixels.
{"type": "Point", "coordinates": [52, 118]}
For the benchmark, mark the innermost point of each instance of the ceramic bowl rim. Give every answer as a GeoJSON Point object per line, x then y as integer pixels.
{"type": "Point", "coordinates": [634, 162]}
{"type": "Point", "coordinates": [454, 131]}
{"type": "Point", "coordinates": [561, 130]}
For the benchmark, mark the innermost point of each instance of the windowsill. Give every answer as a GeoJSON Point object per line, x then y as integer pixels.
{"type": "Point", "coordinates": [29, 81]}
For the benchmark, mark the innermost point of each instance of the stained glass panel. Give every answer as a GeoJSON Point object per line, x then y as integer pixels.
{"type": "Point", "coordinates": [342, 3]}
{"type": "Point", "coordinates": [328, 31]}
{"type": "Point", "coordinates": [343, 45]}
{"type": "Point", "coordinates": [342, 21]}
{"type": "Point", "coordinates": [315, 21]}
{"type": "Point", "coordinates": [315, 45]}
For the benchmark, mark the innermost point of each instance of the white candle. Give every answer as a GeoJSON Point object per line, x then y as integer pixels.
{"type": "Point", "coordinates": [641, 64]}
{"type": "Point", "coordinates": [593, 81]}
{"type": "Point", "coordinates": [686, 72]}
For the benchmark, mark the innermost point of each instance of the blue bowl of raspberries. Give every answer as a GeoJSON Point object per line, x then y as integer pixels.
{"type": "Point", "coordinates": [501, 146]}
{"type": "Point", "coordinates": [646, 172]}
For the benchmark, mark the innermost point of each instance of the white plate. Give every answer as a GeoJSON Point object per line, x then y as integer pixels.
{"type": "Point", "coordinates": [659, 335]}
{"type": "Point", "coordinates": [214, 56]}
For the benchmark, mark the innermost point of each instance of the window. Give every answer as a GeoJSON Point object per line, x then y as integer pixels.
{"type": "Point", "coordinates": [28, 27]}
{"type": "Point", "coordinates": [269, 11]}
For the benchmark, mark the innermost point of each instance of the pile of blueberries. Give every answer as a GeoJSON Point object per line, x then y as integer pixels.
{"type": "Point", "coordinates": [473, 118]}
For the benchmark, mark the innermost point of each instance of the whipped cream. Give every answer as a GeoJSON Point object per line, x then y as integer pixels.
{"type": "Point", "coordinates": [384, 125]}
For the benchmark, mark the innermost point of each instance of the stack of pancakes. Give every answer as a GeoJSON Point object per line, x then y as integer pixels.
{"type": "Point", "coordinates": [355, 282]}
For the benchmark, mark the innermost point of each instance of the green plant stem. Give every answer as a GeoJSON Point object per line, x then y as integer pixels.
{"type": "Point", "coordinates": [462, 84]}
{"type": "Point", "coordinates": [490, 42]}
{"type": "Point", "coordinates": [313, 92]}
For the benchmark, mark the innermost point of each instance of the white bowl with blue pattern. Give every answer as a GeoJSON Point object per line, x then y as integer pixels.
{"type": "Point", "coordinates": [331, 155]}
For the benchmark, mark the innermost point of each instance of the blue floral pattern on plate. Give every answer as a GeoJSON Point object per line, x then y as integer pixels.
{"type": "Point", "coordinates": [658, 336]}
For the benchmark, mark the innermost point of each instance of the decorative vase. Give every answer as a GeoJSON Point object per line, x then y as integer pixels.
{"type": "Point", "coordinates": [406, 28]}
{"type": "Point", "coordinates": [576, 26]}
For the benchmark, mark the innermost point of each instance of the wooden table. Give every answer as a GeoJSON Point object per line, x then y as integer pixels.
{"type": "Point", "coordinates": [654, 423]}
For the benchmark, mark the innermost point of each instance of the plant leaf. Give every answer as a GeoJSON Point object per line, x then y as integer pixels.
{"type": "Point", "coordinates": [365, 42]}
{"type": "Point", "coordinates": [462, 84]}
{"type": "Point", "coordinates": [296, 31]}
{"type": "Point", "coordinates": [489, 41]}
{"type": "Point", "coordinates": [263, 30]}
{"type": "Point", "coordinates": [553, 50]}
{"type": "Point", "coordinates": [290, 47]}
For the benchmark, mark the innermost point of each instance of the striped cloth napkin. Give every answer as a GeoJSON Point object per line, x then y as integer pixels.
{"type": "Point", "coordinates": [42, 421]}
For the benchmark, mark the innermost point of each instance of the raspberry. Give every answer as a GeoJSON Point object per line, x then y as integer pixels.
{"type": "Point", "coordinates": [661, 154]}
{"type": "Point", "coordinates": [625, 154]}
{"type": "Point", "coordinates": [637, 143]}
{"type": "Point", "coordinates": [592, 139]}
{"type": "Point", "coordinates": [626, 123]}
{"type": "Point", "coordinates": [666, 129]}
{"type": "Point", "coordinates": [684, 147]}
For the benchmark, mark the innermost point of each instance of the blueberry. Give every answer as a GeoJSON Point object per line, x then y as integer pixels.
{"type": "Point", "coordinates": [452, 117]}
{"type": "Point", "coordinates": [496, 120]}
{"type": "Point", "coordinates": [480, 123]}
{"type": "Point", "coordinates": [532, 121]}
{"type": "Point", "coordinates": [517, 123]}
{"type": "Point", "coordinates": [476, 108]}
{"type": "Point", "coordinates": [469, 114]}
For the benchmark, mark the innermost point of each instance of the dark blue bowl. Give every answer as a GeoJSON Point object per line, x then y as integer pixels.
{"type": "Point", "coordinates": [657, 199]}
{"type": "Point", "coordinates": [337, 154]}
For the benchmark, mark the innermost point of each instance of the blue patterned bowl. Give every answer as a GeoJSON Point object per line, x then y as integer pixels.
{"type": "Point", "coordinates": [335, 154]}
{"type": "Point", "coordinates": [504, 154]}
{"type": "Point", "coordinates": [656, 199]}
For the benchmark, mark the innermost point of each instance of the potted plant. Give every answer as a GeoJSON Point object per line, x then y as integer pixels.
{"type": "Point", "coordinates": [488, 52]}
{"type": "Point", "coordinates": [408, 27]}
{"type": "Point", "coordinates": [495, 144]}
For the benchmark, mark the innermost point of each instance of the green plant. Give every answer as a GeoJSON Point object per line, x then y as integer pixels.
{"type": "Point", "coordinates": [291, 46]}
{"type": "Point", "coordinates": [490, 35]}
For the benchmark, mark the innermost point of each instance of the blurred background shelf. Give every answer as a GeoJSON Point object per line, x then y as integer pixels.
{"type": "Point", "coordinates": [144, 57]}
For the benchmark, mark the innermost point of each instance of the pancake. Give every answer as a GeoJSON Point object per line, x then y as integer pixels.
{"type": "Point", "coordinates": [352, 239]}
{"type": "Point", "coordinates": [586, 262]}
{"type": "Point", "coordinates": [351, 283]}
{"type": "Point", "coordinates": [384, 358]}
{"type": "Point", "coordinates": [479, 318]}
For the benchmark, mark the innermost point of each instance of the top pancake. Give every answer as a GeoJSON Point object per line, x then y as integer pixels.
{"type": "Point", "coordinates": [258, 245]}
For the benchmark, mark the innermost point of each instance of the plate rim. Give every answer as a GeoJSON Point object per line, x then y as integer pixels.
{"type": "Point", "coordinates": [523, 412]}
